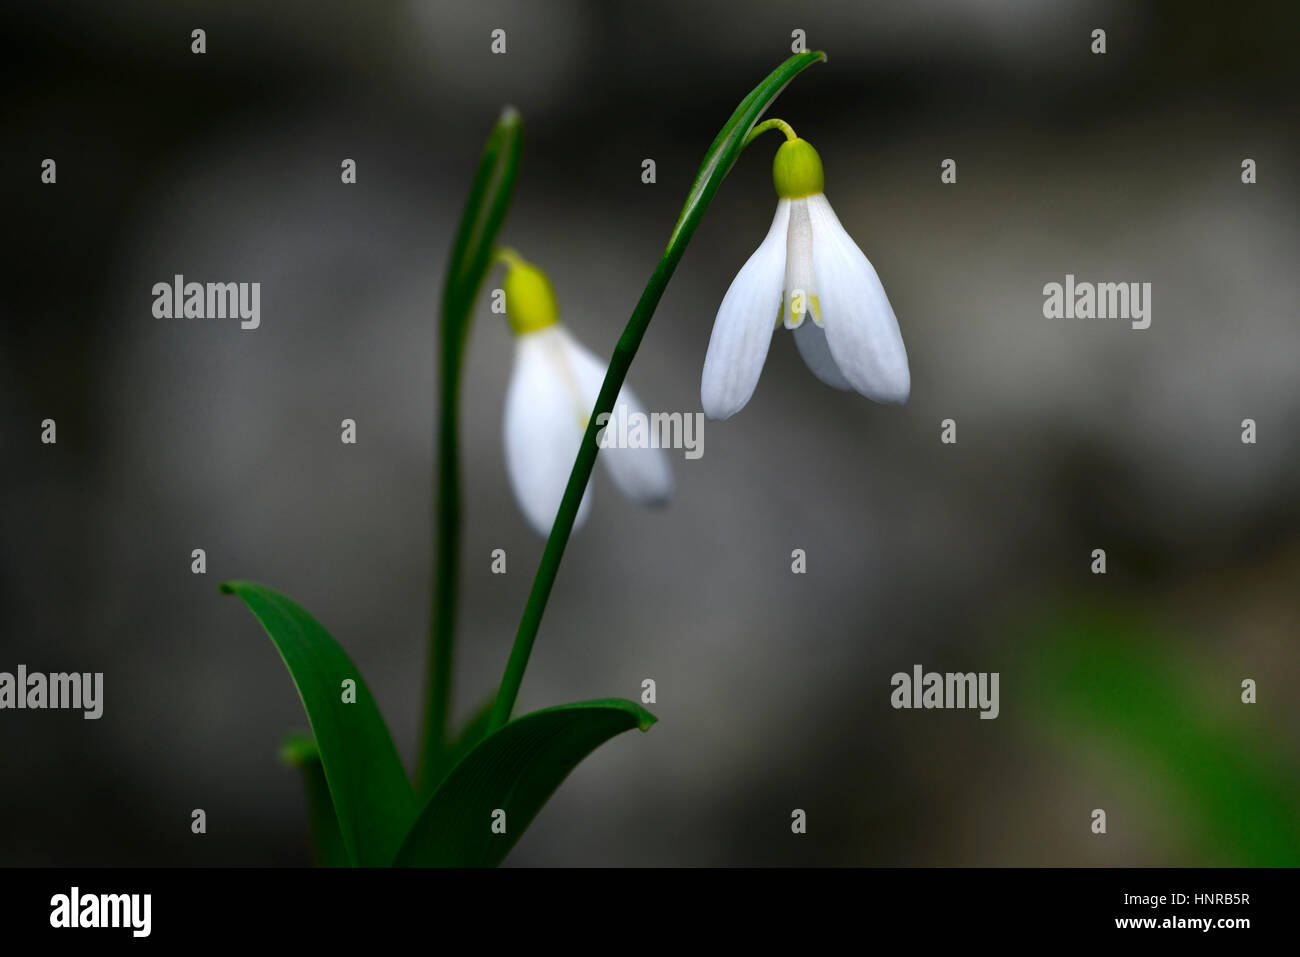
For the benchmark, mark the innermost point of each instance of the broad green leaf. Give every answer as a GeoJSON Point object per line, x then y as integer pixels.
{"type": "Point", "coordinates": [300, 751]}
{"type": "Point", "coordinates": [371, 793]}
{"type": "Point", "coordinates": [515, 770]}
{"type": "Point", "coordinates": [471, 257]}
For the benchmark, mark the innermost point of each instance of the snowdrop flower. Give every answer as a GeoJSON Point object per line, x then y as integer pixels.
{"type": "Point", "coordinates": [809, 275]}
{"type": "Point", "coordinates": [552, 391]}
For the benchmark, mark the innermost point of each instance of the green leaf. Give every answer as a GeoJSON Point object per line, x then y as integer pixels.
{"type": "Point", "coordinates": [300, 751]}
{"type": "Point", "coordinates": [516, 770]}
{"type": "Point", "coordinates": [475, 730]}
{"type": "Point", "coordinates": [718, 161]}
{"type": "Point", "coordinates": [485, 211]}
{"type": "Point", "coordinates": [471, 257]}
{"type": "Point", "coordinates": [371, 793]}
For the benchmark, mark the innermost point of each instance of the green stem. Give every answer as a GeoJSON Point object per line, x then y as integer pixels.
{"type": "Point", "coordinates": [508, 257]}
{"type": "Point", "coordinates": [772, 124]}
{"type": "Point", "coordinates": [722, 155]}
{"type": "Point", "coordinates": [471, 257]}
{"type": "Point", "coordinates": [302, 752]}
{"type": "Point", "coordinates": [442, 610]}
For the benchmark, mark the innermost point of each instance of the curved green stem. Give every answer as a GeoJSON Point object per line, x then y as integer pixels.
{"type": "Point", "coordinates": [772, 124]}
{"type": "Point", "coordinates": [505, 255]}
{"type": "Point", "coordinates": [717, 163]}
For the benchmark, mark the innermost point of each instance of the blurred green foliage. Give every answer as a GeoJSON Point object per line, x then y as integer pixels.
{"type": "Point", "coordinates": [1113, 676]}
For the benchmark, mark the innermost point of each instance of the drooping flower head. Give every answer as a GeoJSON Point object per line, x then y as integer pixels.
{"type": "Point", "coordinates": [810, 276]}
{"type": "Point", "coordinates": [553, 388]}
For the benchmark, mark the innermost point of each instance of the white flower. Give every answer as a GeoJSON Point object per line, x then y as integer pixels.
{"type": "Point", "coordinates": [553, 388]}
{"type": "Point", "coordinates": [807, 267]}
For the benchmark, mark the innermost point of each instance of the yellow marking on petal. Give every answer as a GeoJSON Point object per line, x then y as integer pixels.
{"type": "Point", "coordinates": [801, 309]}
{"type": "Point", "coordinates": [797, 309]}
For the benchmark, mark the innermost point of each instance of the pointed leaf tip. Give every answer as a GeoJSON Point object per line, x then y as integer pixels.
{"type": "Point", "coordinates": [515, 771]}
{"type": "Point", "coordinates": [367, 783]}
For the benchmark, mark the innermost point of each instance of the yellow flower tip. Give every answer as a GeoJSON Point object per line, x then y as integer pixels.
{"type": "Point", "coordinates": [797, 170]}
{"type": "Point", "coordinates": [530, 299]}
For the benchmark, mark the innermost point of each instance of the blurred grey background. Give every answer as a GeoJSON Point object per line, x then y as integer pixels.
{"type": "Point", "coordinates": [1119, 692]}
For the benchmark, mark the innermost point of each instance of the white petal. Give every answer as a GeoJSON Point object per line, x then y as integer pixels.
{"type": "Point", "coordinates": [642, 474]}
{"type": "Point", "coordinates": [800, 279]}
{"type": "Point", "coordinates": [743, 328]}
{"type": "Point", "coordinates": [861, 329]}
{"type": "Point", "coordinates": [543, 430]}
{"type": "Point", "coordinates": [810, 337]}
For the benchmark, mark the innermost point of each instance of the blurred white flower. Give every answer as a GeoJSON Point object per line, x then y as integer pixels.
{"type": "Point", "coordinates": [808, 266]}
{"type": "Point", "coordinates": [552, 391]}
